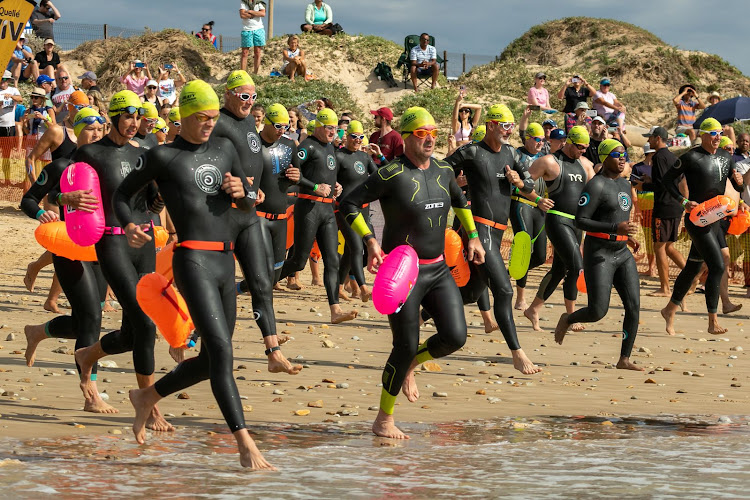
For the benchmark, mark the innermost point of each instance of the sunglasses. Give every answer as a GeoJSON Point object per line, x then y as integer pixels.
{"type": "Point", "coordinates": [64, 78]}
{"type": "Point", "coordinates": [582, 147]}
{"type": "Point", "coordinates": [88, 120]}
{"type": "Point", "coordinates": [464, 110]}
{"type": "Point", "coordinates": [422, 133]}
{"type": "Point", "coordinates": [505, 125]}
{"type": "Point", "coordinates": [281, 126]}
{"type": "Point", "coordinates": [131, 110]}
{"type": "Point", "coordinates": [152, 87]}
{"type": "Point", "coordinates": [79, 107]}
{"type": "Point", "coordinates": [357, 137]}
{"type": "Point", "coordinates": [537, 139]}
{"type": "Point", "coordinates": [205, 118]}
{"type": "Point", "coordinates": [206, 29]}
{"type": "Point", "coordinates": [615, 154]}
{"type": "Point", "coordinates": [151, 121]}
{"type": "Point", "coordinates": [714, 133]}
{"type": "Point", "coordinates": [245, 96]}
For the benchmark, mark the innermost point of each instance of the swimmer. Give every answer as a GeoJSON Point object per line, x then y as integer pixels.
{"type": "Point", "coordinates": [174, 124]}
{"type": "Point", "coordinates": [145, 137]}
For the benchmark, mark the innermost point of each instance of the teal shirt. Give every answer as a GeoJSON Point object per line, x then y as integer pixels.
{"type": "Point", "coordinates": [320, 15]}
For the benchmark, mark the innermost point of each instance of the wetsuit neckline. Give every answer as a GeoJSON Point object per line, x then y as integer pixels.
{"type": "Point", "coordinates": [226, 111]}
{"type": "Point", "coordinates": [188, 146]}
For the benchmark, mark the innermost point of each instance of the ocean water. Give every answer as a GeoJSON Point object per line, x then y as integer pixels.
{"type": "Point", "coordinates": [576, 457]}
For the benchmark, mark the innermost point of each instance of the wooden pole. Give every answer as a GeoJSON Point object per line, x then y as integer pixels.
{"type": "Point", "coordinates": [445, 63]}
{"type": "Point", "coordinates": [105, 31]}
{"type": "Point", "coordinates": [221, 43]}
{"type": "Point", "coordinates": [463, 69]}
{"type": "Point", "coordinates": [270, 19]}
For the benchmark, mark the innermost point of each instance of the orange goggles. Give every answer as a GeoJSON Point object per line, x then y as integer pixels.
{"type": "Point", "coordinates": [422, 133]}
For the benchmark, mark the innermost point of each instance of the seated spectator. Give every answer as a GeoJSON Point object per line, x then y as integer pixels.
{"type": "Point", "coordinates": [538, 95]}
{"type": "Point", "coordinates": [38, 116]}
{"type": "Point", "coordinates": [296, 125]}
{"type": "Point", "coordinates": [207, 34]}
{"type": "Point", "coordinates": [465, 119]}
{"type": "Point", "coordinates": [713, 98]}
{"type": "Point", "coordinates": [294, 59]}
{"type": "Point", "coordinates": [389, 141]}
{"type": "Point", "coordinates": [43, 19]}
{"type": "Point", "coordinates": [94, 93]}
{"type": "Point", "coordinates": [578, 116]}
{"type": "Point", "coordinates": [167, 85]}
{"type": "Point", "coordinates": [742, 149]}
{"type": "Point", "coordinates": [259, 113]}
{"type": "Point", "coordinates": [687, 102]}
{"type": "Point", "coordinates": [47, 59]}
{"type": "Point", "coordinates": [607, 106]}
{"type": "Point", "coordinates": [318, 18]}
{"type": "Point", "coordinates": [22, 64]}
{"type": "Point", "coordinates": [150, 95]}
{"type": "Point", "coordinates": [575, 90]}
{"type": "Point", "coordinates": [136, 77]}
{"type": "Point", "coordinates": [423, 59]}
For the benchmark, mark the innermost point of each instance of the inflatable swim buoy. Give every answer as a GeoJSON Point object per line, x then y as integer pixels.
{"type": "Point", "coordinates": [739, 223]}
{"type": "Point", "coordinates": [581, 283]}
{"type": "Point", "coordinates": [84, 228]}
{"type": "Point", "coordinates": [396, 277]}
{"type": "Point", "coordinates": [520, 255]}
{"type": "Point", "coordinates": [712, 210]}
{"type": "Point", "coordinates": [161, 301]}
{"type": "Point", "coordinates": [54, 237]}
{"type": "Point", "coordinates": [455, 257]}
{"type": "Point", "coordinates": [161, 236]}
{"type": "Point", "coordinates": [164, 261]}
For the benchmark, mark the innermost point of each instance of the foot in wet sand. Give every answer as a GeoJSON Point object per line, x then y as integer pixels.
{"type": "Point", "coordinates": [385, 426]}
{"type": "Point", "coordinates": [625, 364]}
{"type": "Point", "coordinates": [533, 316]}
{"type": "Point", "coordinates": [523, 364]}
{"type": "Point", "coordinates": [93, 401]}
{"type": "Point", "coordinates": [157, 422]}
{"type": "Point", "coordinates": [668, 314]}
{"type": "Point", "coordinates": [34, 335]}
{"type": "Point", "coordinates": [562, 328]}
{"type": "Point", "coordinates": [278, 363]}
{"type": "Point", "coordinates": [340, 316]}
{"type": "Point", "coordinates": [730, 308]}
{"type": "Point", "coordinates": [250, 455]}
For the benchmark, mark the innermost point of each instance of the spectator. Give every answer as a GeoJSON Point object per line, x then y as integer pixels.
{"type": "Point", "coordinates": [596, 136]}
{"type": "Point", "coordinates": [557, 138]}
{"type": "Point", "coordinates": [388, 140]}
{"type": "Point", "coordinates": [296, 125]}
{"type": "Point", "coordinates": [167, 85]}
{"type": "Point", "coordinates": [165, 110]}
{"type": "Point", "coordinates": [579, 116]}
{"type": "Point", "coordinates": [317, 105]}
{"type": "Point", "coordinates": [713, 98]}
{"type": "Point", "coordinates": [150, 95]}
{"type": "Point", "coordinates": [728, 130]}
{"type": "Point", "coordinates": [742, 151]}
{"type": "Point", "coordinates": [643, 204]}
{"type": "Point", "coordinates": [10, 97]}
{"type": "Point", "coordinates": [137, 76]}
{"type": "Point", "coordinates": [538, 95]}
{"type": "Point", "coordinates": [575, 90]}
{"type": "Point", "coordinates": [22, 64]}
{"type": "Point", "coordinates": [318, 18]}
{"type": "Point", "coordinates": [423, 59]}
{"type": "Point", "coordinates": [39, 116]}
{"type": "Point", "coordinates": [47, 59]}
{"type": "Point", "coordinates": [607, 106]}
{"type": "Point", "coordinates": [259, 113]}
{"type": "Point", "coordinates": [253, 34]}
{"type": "Point", "coordinates": [61, 94]}
{"type": "Point", "coordinates": [43, 18]}
{"type": "Point", "coordinates": [207, 34]}
{"type": "Point", "coordinates": [94, 93]}
{"type": "Point", "coordinates": [687, 102]}
{"type": "Point", "coordinates": [294, 59]}
{"type": "Point", "coordinates": [20, 122]}
{"type": "Point", "coordinates": [465, 119]}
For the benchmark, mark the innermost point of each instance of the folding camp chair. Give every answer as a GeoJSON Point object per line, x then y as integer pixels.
{"type": "Point", "coordinates": [410, 42]}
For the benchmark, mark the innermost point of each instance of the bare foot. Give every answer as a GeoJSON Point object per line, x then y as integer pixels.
{"type": "Point", "coordinates": [156, 421]}
{"type": "Point", "coordinates": [490, 327]}
{"type": "Point", "coordinates": [108, 307]}
{"type": "Point", "coordinates": [51, 306]}
{"type": "Point", "coordinates": [669, 318]}
{"type": "Point", "coordinates": [731, 308]}
{"type": "Point", "coordinates": [521, 306]}
{"type": "Point", "coordinates": [577, 327]}
{"type": "Point", "coordinates": [533, 316]}
{"type": "Point", "coordinates": [34, 335]}
{"type": "Point", "coordinates": [283, 339]}
{"type": "Point", "coordinates": [523, 364]}
{"type": "Point", "coordinates": [143, 406]}
{"type": "Point", "coordinates": [94, 402]}
{"type": "Point", "coordinates": [340, 317]}
{"type": "Point", "coordinates": [177, 353]}
{"type": "Point", "coordinates": [684, 307]}
{"type": "Point", "coordinates": [716, 329]}
{"type": "Point", "coordinates": [660, 293]}
{"type": "Point", "coordinates": [294, 285]}
{"type": "Point", "coordinates": [316, 282]}
{"type": "Point", "coordinates": [30, 278]}
{"type": "Point", "coordinates": [278, 363]}
{"type": "Point", "coordinates": [277, 287]}
{"type": "Point", "coordinates": [562, 328]}
{"type": "Point", "coordinates": [626, 364]}
{"type": "Point", "coordinates": [252, 458]}
{"type": "Point", "coordinates": [365, 294]}
{"type": "Point", "coordinates": [409, 387]}
{"type": "Point", "coordinates": [343, 295]}
{"type": "Point", "coordinates": [384, 426]}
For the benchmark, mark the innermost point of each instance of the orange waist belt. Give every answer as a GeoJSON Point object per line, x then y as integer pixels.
{"type": "Point", "coordinates": [268, 216]}
{"type": "Point", "coordinates": [213, 246]}
{"type": "Point", "coordinates": [492, 224]}
{"type": "Point", "coordinates": [607, 236]}
{"type": "Point", "coordinates": [319, 199]}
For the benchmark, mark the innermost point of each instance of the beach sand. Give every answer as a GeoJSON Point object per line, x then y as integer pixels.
{"type": "Point", "coordinates": [691, 373]}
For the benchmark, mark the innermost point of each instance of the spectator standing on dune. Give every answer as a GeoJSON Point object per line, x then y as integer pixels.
{"type": "Point", "coordinates": [253, 34]}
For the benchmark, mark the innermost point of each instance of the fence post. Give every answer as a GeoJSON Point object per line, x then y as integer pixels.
{"type": "Point", "coordinates": [445, 64]}
{"type": "Point", "coordinates": [463, 67]}
{"type": "Point", "coordinates": [105, 31]}
{"type": "Point", "coordinates": [221, 43]}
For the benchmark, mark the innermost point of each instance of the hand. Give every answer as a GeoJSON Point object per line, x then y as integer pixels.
{"type": "Point", "coordinates": [233, 186]}
{"type": "Point", "coordinates": [737, 178]}
{"type": "Point", "coordinates": [338, 190]}
{"type": "Point", "coordinates": [292, 173]}
{"type": "Point", "coordinates": [136, 235]}
{"type": "Point", "coordinates": [81, 200]}
{"type": "Point", "coordinates": [48, 216]}
{"type": "Point", "coordinates": [320, 104]}
{"type": "Point", "coordinates": [742, 207]}
{"type": "Point", "coordinates": [250, 180]}
{"type": "Point", "coordinates": [690, 205]}
{"type": "Point", "coordinates": [323, 190]}
{"type": "Point", "coordinates": [175, 68]}
{"type": "Point", "coordinates": [171, 239]}
{"type": "Point", "coordinates": [461, 179]}
{"type": "Point", "coordinates": [261, 197]}
{"type": "Point", "coordinates": [633, 243]}
{"type": "Point", "coordinates": [374, 255]}
{"type": "Point", "coordinates": [545, 204]}
{"type": "Point", "coordinates": [475, 251]}
{"type": "Point", "coordinates": [527, 111]}
{"type": "Point", "coordinates": [132, 66]}
{"type": "Point", "coordinates": [375, 149]}
{"type": "Point", "coordinates": [513, 177]}
{"type": "Point", "coordinates": [627, 228]}
{"type": "Point", "coordinates": [646, 178]}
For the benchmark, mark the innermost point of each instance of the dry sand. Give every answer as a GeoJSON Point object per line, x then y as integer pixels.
{"type": "Point", "coordinates": [691, 373]}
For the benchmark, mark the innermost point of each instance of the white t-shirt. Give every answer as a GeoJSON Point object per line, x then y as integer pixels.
{"type": "Point", "coordinates": [742, 167]}
{"type": "Point", "coordinates": [8, 110]}
{"type": "Point", "coordinates": [167, 90]}
{"type": "Point", "coordinates": [254, 23]}
{"type": "Point", "coordinates": [609, 97]}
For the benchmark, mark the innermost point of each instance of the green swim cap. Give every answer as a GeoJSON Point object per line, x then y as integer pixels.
{"type": "Point", "coordinates": [276, 113]}
{"type": "Point", "coordinates": [725, 141]}
{"type": "Point", "coordinates": [414, 118]}
{"type": "Point", "coordinates": [79, 124]}
{"type": "Point", "coordinates": [174, 114]}
{"type": "Point", "coordinates": [197, 96]}
{"type": "Point", "coordinates": [161, 126]}
{"type": "Point", "coordinates": [311, 126]}
{"type": "Point", "coordinates": [578, 135]}
{"type": "Point", "coordinates": [499, 113]}
{"type": "Point", "coordinates": [326, 116]}
{"type": "Point", "coordinates": [710, 125]}
{"type": "Point", "coordinates": [606, 147]}
{"type": "Point", "coordinates": [478, 133]}
{"type": "Point", "coordinates": [151, 111]}
{"type": "Point", "coordinates": [122, 100]}
{"type": "Point", "coordinates": [355, 127]}
{"type": "Point", "coordinates": [238, 78]}
{"type": "Point", "coordinates": [534, 130]}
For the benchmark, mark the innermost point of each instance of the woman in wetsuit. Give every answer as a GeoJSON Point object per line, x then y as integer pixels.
{"type": "Point", "coordinates": [604, 213]}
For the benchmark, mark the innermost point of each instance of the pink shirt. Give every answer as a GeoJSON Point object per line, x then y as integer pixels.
{"type": "Point", "coordinates": [135, 84]}
{"type": "Point", "coordinates": [542, 96]}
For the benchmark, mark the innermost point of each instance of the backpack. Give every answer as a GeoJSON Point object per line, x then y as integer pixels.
{"type": "Point", "coordinates": [384, 73]}
{"type": "Point", "coordinates": [336, 28]}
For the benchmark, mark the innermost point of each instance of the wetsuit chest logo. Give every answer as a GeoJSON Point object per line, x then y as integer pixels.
{"type": "Point", "coordinates": [575, 178]}
{"type": "Point", "coordinates": [253, 143]}
{"type": "Point", "coordinates": [208, 179]}
{"type": "Point", "coordinates": [624, 200]}
{"type": "Point", "coordinates": [281, 157]}
{"type": "Point", "coordinates": [125, 168]}
{"type": "Point", "coordinates": [331, 162]}
{"type": "Point", "coordinates": [584, 200]}
{"type": "Point", "coordinates": [359, 167]}
{"type": "Point", "coordinates": [430, 206]}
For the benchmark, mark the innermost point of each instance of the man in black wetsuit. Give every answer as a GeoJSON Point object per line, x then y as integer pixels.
{"type": "Point", "coordinates": [354, 166]}
{"type": "Point", "coordinates": [604, 213]}
{"type": "Point", "coordinates": [144, 137]}
{"type": "Point", "coordinates": [415, 191]}
{"type": "Point", "coordinates": [249, 250]}
{"type": "Point", "coordinates": [199, 176]}
{"type": "Point", "coordinates": [314, 219]}
{"type": "Point", "coordinates": [493, 169]}
{"type": "Point", "coordinates": [706, 170]}
{"type": "Point", "coordinates": [113, 158]}
{"type": "Point", "coordinates": [565, 173]}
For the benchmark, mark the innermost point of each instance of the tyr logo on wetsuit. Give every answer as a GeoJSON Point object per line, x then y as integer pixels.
{"type": "Point", "coordinates": [208, 179]}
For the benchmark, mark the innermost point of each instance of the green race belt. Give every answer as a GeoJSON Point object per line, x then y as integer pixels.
{"type": "Point", "coordinates": [561, 214]}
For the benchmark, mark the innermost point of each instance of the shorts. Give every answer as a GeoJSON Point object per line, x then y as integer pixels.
{"type": "Point", "coordinates": [723, 228]}
{"type": "Point", "coordinates": [424, 71]}
{"type": "Point", "coordinates": [254, 38]}
{"type": "Point", "coordinates": [665, 230]}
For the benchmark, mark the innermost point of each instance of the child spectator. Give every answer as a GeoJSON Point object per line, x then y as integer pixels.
{"type": "Point", "coordinates": [167, 85]}
{"type": "Point", "coordinates": [294, 59]}
{"type": "Point", "coordinates": [136, 77]}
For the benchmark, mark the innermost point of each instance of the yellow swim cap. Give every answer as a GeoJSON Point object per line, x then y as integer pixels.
{"type": "Point", "coordinates": [606, 147]}
{"type": "Point", "coordinates": [174, 114]}
{"type": "Point", "coordinates": [311, 126]}
{"type": "Point", "coordinates": [150, 108]}
{"type": "Point", "coordinates": [79, 122]}
{"type": "Point", "coordinates": [161, 126]}
{"type": "Point", "coordinates": [276, 113]}
{"type": "Point", "coordinates": [478, 133]}
{"type": "Point", "coordinates": [534, 130]}
{"type": "Point", "coordinates": [238, 78]}
{"type": "Point", "coordinates": [197, 96]}
{"type": "Point", "coordinates": [578, 135]}
{"type": "Point", "coordinates": [124, 99]}
{"type": "Point", "coordinates": [355, 127]}
{"type": "Point", "coordinates": [725, 141]}
{"type": "Point", "coordinates": [499, 113]}
{"type": "Point", "coordinates": [326, 116]}
{"type": "Point", "coordinates": [414, 118]}
{"type": "Point", "coordinates": [365, 140]}
{"type": "Point", "coordinates": [710, 125]}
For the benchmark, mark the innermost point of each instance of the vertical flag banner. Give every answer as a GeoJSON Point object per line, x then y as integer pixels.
{"type": "Point", "coordinates": [13, 17]}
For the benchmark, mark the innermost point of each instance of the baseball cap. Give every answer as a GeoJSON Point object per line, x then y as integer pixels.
{"type": "Point", "coordinates": [598, 119]}
{"type": "Point", "coordinates": [582, 105]}
{"type": "Point", "coordinates": [49, 40]}
{"type": "Point", "coordinates": [605, 81]}
{"type": "Point", "coordinates": [89, 75]}
{"type": "Point", "coordinates": [540, 75]}
{"type": "Point", "coordinates": [714, 94]}
{"type": "Point", "coordinates": [152, 83]}
{"type": "Point", "coordinates": [384, 112]}
{"type": "Point", "coordinates": [549, 122]}
{"type": "Point", "coordinates": [648, 149]}
{"type": "Point", "coordinates": [657, 131]}
{"type": "Point", "coordinates": [44, 79]}
{"type": "Point", "coordinates": [558, 134]}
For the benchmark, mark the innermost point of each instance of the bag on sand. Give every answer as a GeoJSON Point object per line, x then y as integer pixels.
{"type": "Point", "coordinates": [384, 73]}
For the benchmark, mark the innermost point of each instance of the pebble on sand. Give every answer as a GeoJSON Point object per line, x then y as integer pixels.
{"type": "Point", "coordinates": [431, 366]}
{"type": "Point", "coordinates": [315, 404]}
{"type": "Point", "coordinates": [183, 395]}
{"type": "Point", "coordinates": [302, 413]}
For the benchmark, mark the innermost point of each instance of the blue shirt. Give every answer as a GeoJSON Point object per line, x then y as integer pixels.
{"type": "Point", "coordinates": [20, 55]}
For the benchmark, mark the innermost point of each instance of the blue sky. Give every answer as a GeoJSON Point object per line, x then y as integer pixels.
{"type": "Point", "coordinates": [477, 27]}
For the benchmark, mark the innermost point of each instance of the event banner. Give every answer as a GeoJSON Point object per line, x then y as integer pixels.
{"type": "Point", "coordinates": [13, 17]}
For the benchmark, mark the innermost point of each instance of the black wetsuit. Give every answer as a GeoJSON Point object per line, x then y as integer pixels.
{"type": "Point", "coordinates": [354, 168]}
{"type": "Point", "coordinates": [82, 282]}
{"type": "Point", "coordinates": [249, 249]}
{"type": "Point", "coordinates": [526, 216]}
{"type": "Point", "coordinates": [190, 178]}
{"type": "Point", "coordinates": [277, 156]}
{"type": "Point", "coordinates": [608, 263]}
{"type": "Point", "coordinates": [66, 148]}
{"type": "Point", "coordinates": [147, 141]}
{"type": "Point", "coordinates": [490, 200]}
{"type": "Point", "coordinates": [122, 264]}
{"type": "Point", "coordinates": [706, 175]}
{"type": "Point", "coordinates": [415, 206]}
{"type": "Point", "coordinates": [565, 190]}
{"type": "Point", "coordinates": [315, 220]}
